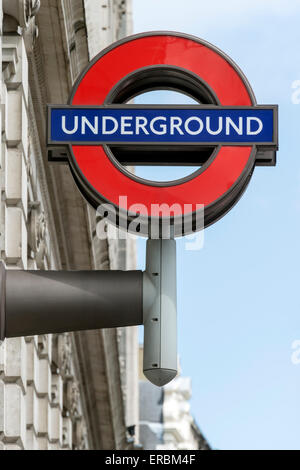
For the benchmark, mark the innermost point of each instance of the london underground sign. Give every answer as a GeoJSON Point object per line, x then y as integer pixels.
{"type": "Point", "coordinates": [226, 134]}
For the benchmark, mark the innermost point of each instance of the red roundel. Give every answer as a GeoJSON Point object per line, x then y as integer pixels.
{"type": "Point", "coordinates": [220, 181]}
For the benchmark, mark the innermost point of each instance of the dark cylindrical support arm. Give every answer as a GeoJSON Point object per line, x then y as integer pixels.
{"type": "Point", "coordinates": [40, 302]}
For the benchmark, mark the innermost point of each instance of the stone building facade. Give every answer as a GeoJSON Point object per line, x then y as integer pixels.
{"type": "Point", "coordinates": [166, 422]}
{"type": "Point", "coordinates": [69, 391]}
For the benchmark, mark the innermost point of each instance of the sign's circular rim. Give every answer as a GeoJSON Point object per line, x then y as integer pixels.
{"type": "Point", "coordinates": [133, 37]}
{"type": "Point", "coordinates": [211, 214]}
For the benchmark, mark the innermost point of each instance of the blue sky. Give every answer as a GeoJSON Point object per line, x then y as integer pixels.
{"type": "Point", "coordinates": [238, 298]}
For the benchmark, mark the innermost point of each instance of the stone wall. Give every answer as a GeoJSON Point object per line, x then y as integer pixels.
{"type": "Point", "coordinates": [56, 391]}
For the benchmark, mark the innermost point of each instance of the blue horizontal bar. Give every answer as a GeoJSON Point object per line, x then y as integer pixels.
{"type": "Point", "coordinates": [195, 125]}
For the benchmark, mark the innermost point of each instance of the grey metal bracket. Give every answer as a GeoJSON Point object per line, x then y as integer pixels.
{"type": "Point", "coordinates": [43, 302]}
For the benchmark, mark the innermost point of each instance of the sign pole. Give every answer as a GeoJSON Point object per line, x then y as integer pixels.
{"type": "Point", "coordinates": [160, 312]}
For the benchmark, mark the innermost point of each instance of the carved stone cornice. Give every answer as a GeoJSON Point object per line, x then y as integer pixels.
{"type": "Point", "coordinates": [95, 353]}
{"type": "Point", "coordinates": [37, 229]}
{"type": "Point", "coordinates": [22, 11]}
{"type": "Point", "coordinates": [19, 19]}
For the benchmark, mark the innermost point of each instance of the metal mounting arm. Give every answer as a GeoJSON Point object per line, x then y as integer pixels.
{"type": "Point", "coordinates": [40, 302]}
{"type": "Point", "coordinates": [43, 302]}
